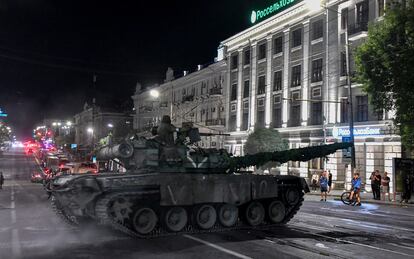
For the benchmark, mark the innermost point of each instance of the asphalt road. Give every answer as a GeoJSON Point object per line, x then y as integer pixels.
{"type": "Point", "coordinates": [29, 229]}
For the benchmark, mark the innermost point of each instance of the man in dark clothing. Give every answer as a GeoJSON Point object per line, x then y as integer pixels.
{"type": "Point", "coordinates": [166, 131]}
{"type": "Point", "coordinates": [407, 183]}
{"type": "Point", "coordinates": [1, 180]}
{"type": "Point", "coordinates": [329, 181]}
{"type": "Point", "coordinates": [373, 185]}
{"type": "Point", "coordinates": [378, 185]}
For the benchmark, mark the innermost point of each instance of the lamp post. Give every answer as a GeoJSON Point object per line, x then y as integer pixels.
{"type": "Point", "coordinates": [91, 131]}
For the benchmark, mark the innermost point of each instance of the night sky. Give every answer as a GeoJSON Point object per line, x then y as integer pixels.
{"type": "Point", "coordinates": [49, 50]}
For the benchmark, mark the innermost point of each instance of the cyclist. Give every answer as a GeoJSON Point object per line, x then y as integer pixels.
{"type": "Point", "coordinates": [356, 188]}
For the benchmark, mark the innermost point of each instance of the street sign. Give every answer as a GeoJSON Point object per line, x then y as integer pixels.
{"type": "Point", "coordinates": [346, 153]}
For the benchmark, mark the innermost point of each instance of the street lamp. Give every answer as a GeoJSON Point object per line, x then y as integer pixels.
{"type": "Point", "coordinates": [89, 130]}
{"type": "Point", "coordinates": [155, 93]}
{"type": "Point", "coordinates": [69, 123]}
{"type": "Point", "coordinates": [110, 125]}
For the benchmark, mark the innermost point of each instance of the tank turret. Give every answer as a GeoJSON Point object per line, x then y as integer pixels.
{"type": "Point", "coordinates": [171, 185]}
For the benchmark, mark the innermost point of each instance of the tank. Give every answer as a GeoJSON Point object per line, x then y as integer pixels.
{"type": "Point", "coordinates": [178, 187]}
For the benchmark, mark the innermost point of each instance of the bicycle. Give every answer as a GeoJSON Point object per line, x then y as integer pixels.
{"type": "Point", "coordinates": [345, 198]}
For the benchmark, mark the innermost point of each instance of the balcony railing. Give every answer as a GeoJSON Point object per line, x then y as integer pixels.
{"type": "Point", "coordinates": [216, 122]}
{"type": "Point", "coordinates": [216, 91]}
{"type": "Point", "coordinates": [357, 28]}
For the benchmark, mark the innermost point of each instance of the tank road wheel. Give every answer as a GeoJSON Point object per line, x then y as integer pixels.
{"type": "Point", "coordinates": [205, 216]}
{"type": "Point", "coordinates": [144, 220]}
{"type": "Point", "coordinates": [228, 215]}
{"type": "Point", "coordinates": [121, 210]}
{"type": "Point", "coordinates": [292, 196]}
{"type": "Point", "coordinates": [255, 213]}
{"type": "Point", "coordinates": [175, 219]}
{"type": "Point", "coordinates": [276, 211]}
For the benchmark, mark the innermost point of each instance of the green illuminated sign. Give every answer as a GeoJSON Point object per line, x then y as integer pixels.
{"type": "Point", "coordinates": [280, 5]}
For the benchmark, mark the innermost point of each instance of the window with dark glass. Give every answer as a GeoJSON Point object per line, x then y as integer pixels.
{"type": "Point", "coordinates": [245, 119]}
{"type": "Point", "coordinates": [344, 111]}
{"type": "Point", "coordinates": [296, 76]}
{"type": "Point", "coordinates": [246, 58]}
{"type": "Point", "coordinates": [316, 113]}
{"type": "Point", "coordinates": [277, 45]}
{"type": "Point", "coordinates": [343, 64]}
{"type": "Point", "coordinates": [246, 89]}
{"type": "Point", "coordinates": [260, 123]}
{"type": "Point", "coordinates": [362, 108]}
{"type": "Point", "coordinates": [233, 95]}
{"type": "Point", "coordinates": [262, 51]}
{"type": "Point", "coordinates": [277, 112]}
{"type": "Point", "coordinates": [317, 70]}
{"type": "Point", "coordinates": [297, 38]}
{"type": "Point", "coordinates": [344, 18]}
{"type": "Point", "coordinates": [232, 123]}
{"type": "Point", "coordinates": [381, 7]}
{"type": "Point", "coordinates": [261, 88]}
{"type": "Point", "coordinates": [277, 81]}
{"type": "Point", "coordinates": [362, 11]}
{"type": "Point", "coordinates": [295, 110]}
{"type": "Point", "coordinates": [317, 29]}
{"type": "Point", "coordinates": [234, 61]}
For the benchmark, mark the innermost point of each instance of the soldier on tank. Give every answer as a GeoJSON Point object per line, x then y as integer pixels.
{"type": "Point", "coordinates": [166, 131]}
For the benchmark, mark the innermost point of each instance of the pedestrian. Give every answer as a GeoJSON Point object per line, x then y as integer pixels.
{"type": "Point", "coordinates": [1, 180]}
{"type": "Point", "coordinates": [378, 185]}
{"type": "Point", "coordinates": [356, 188]}
{"type": "Point", "coordinates": [373, 185]}
{"type": "Point", "coordinates": [329, 181]}
{"type": "Point", "coordinates": [385, 186]}
{"type": "Point", "coordinates": [323, 182]}
{"type": "Point", "coordinates": [407, 184]}
{"type": "Point", "coordinates": [314, 182]}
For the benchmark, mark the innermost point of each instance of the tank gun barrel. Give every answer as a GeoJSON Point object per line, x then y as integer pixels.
{"type": "Point", "coordinates": [123, 150]}
{"type": "Point", "coordinates": [213, 134]}
{"type": "Point", "coordinates": [299, 154]}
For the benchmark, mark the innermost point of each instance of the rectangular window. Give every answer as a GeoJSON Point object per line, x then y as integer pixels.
{"type": "Point", "coordinates": [246, 58]}
{"type": "Point", "coordinates": [246, 89]}
{"type": "Point", "coordinates": [233, 95]}
{"type": "Point", "coordinates": [277, 81]}
{"type": "Point", "coordinates": [234, 61]}
{"type": "Point", "coordinates": [277, 111]}
{"type": "Point", "coordinates": [262, 51]}
{"type": "Point", "coordinates": [232, 123]}
{"type": "Point", "coordinates": [344, 111]}
{"type": "Point", "coordinates": [277, 99]}
{"type": "Point", "coordinates": [233, 108]}
{"type": "Point", "coordinates": [261, 88]}
{"type": "Point", "coordinates": [362, 108]}
{"type": "Point", "coordinates": [317, 29]}
{"type": "Point", "coordinates": [343, 64]}
{"type": "Point", "coordinates": [316, 92]}
{"type": "Point", "coordinates": [317, 71]}
{"type": "Point", "coordinates": [297, 38]}
{"type": "Point", "coordinates": [295, 109]}
{"type": "Point", "coordinates": [296, 76]}
{"type": "Point", "coordinates": [278, 45]}
{"type": "Point", "coordinates": [245, 121]}
{"type": "Point", "coordinates": [344, 18]}
{"type": "Point", "coordinates": [246, 106]}
{"type": "Point", "coordinates": [362, 12]}
{"type": "Point", "coordinates": [316, 113]}
{"type": "Point", "coordinates": [260, 102]}
{"type": "Point", "coordinates": [381, 7]}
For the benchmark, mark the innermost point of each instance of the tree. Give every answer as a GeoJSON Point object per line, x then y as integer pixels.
{"type": "Point", "coordinates": [265, 140]}
{"type": "Point", "coordinates": [385, 66]}
{"type": "Point", "coordinates": [4, 134]}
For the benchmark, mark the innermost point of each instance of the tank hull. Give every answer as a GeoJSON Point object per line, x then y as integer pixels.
{"type": "Point", "coordinates": [157, 204]}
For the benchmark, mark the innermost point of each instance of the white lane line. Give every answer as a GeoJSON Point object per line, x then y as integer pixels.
{"type": "Point", "coordinates": [222, 249]}
{"type": "Point", "coordinates": [13, 217]}
{"type": "Point", "coordinates": [405, 247]}
{"type": "Point", "coordinates": [16, 248]}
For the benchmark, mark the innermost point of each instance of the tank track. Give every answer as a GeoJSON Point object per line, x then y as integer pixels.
{"type": "Point", "coordinates": [64, 216]}
{"type": "Point", "coordinates": [103, 217]}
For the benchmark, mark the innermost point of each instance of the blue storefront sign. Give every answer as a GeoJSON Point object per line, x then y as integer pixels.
{"type": "Point", "coordinates": [358, 131]}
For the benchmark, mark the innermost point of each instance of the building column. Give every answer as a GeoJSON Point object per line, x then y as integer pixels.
{"type": "Point", "coordinates": [253, 84]}
{"type": "Point", "coordinates": [286, 55]}
{"type": "Point", "coordinates": [239, 89]}
{"type": "Point", "coordinates": [268, 107]}
{"type": "Point", "coordinates": [227, 92]}
{"type": "Point", "coordinates": [305, 91]}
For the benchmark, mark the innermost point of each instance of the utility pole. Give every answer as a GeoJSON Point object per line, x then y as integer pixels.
{"type": "Point", "coordinates": [350, 109]}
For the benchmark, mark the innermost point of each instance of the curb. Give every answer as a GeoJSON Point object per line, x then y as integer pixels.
{"type": "Point", "coordinates": [338, 198]}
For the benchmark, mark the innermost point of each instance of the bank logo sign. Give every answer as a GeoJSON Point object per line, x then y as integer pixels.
{"type": "Point", "coordinates": [258, 15]}
{"type": "Point", "coordinates": [366, 131]}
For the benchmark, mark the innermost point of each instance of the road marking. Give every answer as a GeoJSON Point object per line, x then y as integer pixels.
{"type": "Point", "coordinates": [16, 248]}
{"type": "Point", "coordinates": [227, 251]}
{"type": "Point", "coordinates": [402, 246]}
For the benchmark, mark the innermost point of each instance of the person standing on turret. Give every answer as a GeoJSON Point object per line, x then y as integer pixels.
{"type": "Point", "coordinates": [166, 131]}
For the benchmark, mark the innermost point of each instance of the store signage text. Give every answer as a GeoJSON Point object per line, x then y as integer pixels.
{"type": "Point", "coordinates": [367, 131]}
{"type": "Point", "coordinates": [270, 10]}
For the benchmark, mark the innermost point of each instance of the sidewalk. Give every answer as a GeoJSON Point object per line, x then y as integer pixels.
{"type": "Point", "coordinates": [366, 197]}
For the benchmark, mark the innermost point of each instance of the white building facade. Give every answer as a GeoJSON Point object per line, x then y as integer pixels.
{"type": "Point", "coordinates": [288, 72]}
{"type": "Point", "coordinates": [196, 97]}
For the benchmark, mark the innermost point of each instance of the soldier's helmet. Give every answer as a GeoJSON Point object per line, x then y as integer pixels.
{"type": "Point", "coordinates": [166, 119]}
